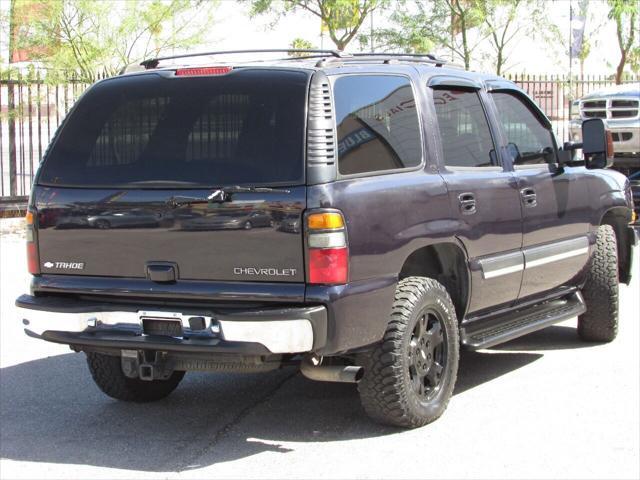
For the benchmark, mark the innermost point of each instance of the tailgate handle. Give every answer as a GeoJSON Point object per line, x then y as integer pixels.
{"type": "Point", "coordinates": [162, 272]}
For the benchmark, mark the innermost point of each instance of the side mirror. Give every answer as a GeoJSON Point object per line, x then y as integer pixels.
{"type": "Point", "coordinates": [597, 144]}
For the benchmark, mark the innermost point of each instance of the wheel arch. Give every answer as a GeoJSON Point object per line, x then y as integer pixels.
{"type": "Point", "coordinates": [447, 263]}
{"type": "Point", "coordinates": [618, 218]}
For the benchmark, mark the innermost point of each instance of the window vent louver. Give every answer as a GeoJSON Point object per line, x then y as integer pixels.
{"type": "Point", "coordinates": [321, 143]}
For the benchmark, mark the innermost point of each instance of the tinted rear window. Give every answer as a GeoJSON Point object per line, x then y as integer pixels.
{"type": "Point", "coordinates": [244, 128]}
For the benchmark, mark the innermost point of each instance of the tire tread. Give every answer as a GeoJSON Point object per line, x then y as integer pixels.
{"type": "Point", "coordinates": [382, 390]}
{"type": "Point", "coordinates": [600, 322]}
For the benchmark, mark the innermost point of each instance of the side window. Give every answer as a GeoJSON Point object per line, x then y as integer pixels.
{"type": "Point", "coordinates": [530, 142]}
{"type": "Point", "coordinates": [377, 124]}
{"type": "Point", "coordinates": [464, 131]}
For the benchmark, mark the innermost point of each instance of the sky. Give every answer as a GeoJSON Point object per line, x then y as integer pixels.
{"type": "Point", "coordinates": [233, 29]}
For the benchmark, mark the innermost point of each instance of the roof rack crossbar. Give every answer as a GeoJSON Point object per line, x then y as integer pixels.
{"type": "Point", "coordinates": [153, 62]}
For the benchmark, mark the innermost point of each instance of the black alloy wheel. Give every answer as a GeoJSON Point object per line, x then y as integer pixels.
{"type": "Point", "coordinates": [427, 355]}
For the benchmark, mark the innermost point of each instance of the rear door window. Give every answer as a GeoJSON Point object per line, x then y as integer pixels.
{"type": "Point", "coordinates": [246, 127]}
{"type": "Point", "coordinates": [377, 124]}
{"type": "Point", "coordinates": [464, 131]}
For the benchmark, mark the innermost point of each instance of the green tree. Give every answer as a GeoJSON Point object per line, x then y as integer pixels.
{"type": "Point", "coordinates": [419, 25]}
{"type": "Point", "coordinates": [300, 44]}
{"type": "Point", "coordinates": [88, 36]}
{"type": "Point", "coordinates": [341, 18]}
{"type": "Point", "coordinates": [625, 14]}
{"type": "Point", "coordinates": [408, 33]}
{"type": "Point", "coordinates": [505, 21]}
{"type": "Point", "coordinates": [500, 22]}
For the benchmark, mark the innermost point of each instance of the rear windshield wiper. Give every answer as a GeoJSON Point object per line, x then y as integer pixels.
{"type": "Point", "coordinates": [220, 195]}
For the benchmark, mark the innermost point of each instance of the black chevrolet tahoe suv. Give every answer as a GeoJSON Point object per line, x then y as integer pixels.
{"type": "Point", "coordinates": [360, 216]}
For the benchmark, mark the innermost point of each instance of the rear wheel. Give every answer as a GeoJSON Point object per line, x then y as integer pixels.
{"type": "Point", "coordinates": [600, 322]}
{"type": "Point", "coordinates": [107, 373]}
{"type": "Point", "coordinates": [409, 377]}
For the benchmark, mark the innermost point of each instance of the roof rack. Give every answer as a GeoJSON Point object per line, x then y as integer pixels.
{"type": "Point", "coordinates": [430, 56]}
{"type": "Point", "coordinates": [153, 62]}
{"type": "Point", "coordinates": [391, 57]}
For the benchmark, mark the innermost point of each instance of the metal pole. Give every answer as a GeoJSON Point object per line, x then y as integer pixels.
{"type": "Point", "coordinates": [373, 48]}
{"type": "Point", "coordinates": [570, 37]}
{"type": "Point", "coordinates": [570, 62]}
{"type": "Point", "coordinates": [11, 119]}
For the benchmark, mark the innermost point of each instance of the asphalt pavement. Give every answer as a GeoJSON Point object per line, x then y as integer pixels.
{"type": "Point", "coordinates": [542, 406]}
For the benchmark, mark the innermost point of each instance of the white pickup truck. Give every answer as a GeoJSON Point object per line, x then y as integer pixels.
{"type": "Point", "coordinates": [619, 108]}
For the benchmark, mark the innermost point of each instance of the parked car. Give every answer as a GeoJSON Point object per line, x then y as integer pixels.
{"type": "Point", "coordinates": [290, 224]}
{"type": "Point", "coordinates": [229, 221]}
{"type": "Point", "coordinates": [131, 218]}
{"type": "Point", "coordinates": [428, 209]}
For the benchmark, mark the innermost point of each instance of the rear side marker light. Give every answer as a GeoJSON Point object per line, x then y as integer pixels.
{"type": "Point", "coordinates": [328, 253]}
{"type": "Point", "coordinates": [200, 71]}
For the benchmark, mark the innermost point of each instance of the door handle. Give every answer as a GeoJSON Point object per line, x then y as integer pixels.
{"type": "Point", "coordinates": [467, 203]}
{"type": "Point", "coordinates": [529, 197]}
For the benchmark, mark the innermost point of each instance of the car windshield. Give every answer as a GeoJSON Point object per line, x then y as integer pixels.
{"type": "Point", "coordinates": [155, 130]}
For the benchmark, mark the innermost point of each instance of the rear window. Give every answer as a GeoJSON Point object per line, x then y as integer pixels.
{"type": "Point", "coordinates": [244, 128]}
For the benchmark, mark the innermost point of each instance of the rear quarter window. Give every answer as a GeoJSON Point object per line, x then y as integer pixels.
{"type": "Point", "coordinates": [377, 124]}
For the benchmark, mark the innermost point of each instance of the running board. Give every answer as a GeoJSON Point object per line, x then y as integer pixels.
{"type": "Point", "coordinates": [490, 332]}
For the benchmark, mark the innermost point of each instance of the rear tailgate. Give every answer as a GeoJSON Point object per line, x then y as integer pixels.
{"type": "Point", "coordinates": [118, 232]}
{"type": "Point", "coordinates": [132, 143]}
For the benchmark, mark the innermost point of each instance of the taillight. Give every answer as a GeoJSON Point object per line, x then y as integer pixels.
{"type": "Point", "coordinates": [197, 71]}
{"type": "Point", "coordinates": [33, 259]}
{"type": "Point", "coordinates": [328, 254]}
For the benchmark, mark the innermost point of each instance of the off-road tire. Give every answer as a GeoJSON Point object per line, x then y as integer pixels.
{"type": "Point", "coordinates": [600, 322]}
{"type": "Point", "coordinates": [107, 373]}
{"type": "Point", "coordinates": [386, 391]}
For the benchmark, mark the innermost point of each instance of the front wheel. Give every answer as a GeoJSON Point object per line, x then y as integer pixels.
{"type": "Point", "coordinates": [107, 373]}
{"type": "Point", "coordinates": [600, 322]}
{"type": "Point", "coordinates": [410, 375]}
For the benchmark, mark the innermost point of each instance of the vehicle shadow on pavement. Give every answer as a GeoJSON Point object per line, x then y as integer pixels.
{"type": "Point", "coordinates": [50, 411]}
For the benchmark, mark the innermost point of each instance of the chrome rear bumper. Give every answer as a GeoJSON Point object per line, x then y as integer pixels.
{"type": "Point", "coordinates": [259, 331]}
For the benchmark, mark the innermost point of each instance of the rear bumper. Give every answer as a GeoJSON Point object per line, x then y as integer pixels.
{"type": "Point", "coordinates": [104, 325]}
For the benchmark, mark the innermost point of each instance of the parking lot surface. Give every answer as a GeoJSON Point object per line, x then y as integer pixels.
{"type": "Point", "coordinates": [542, 406]}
